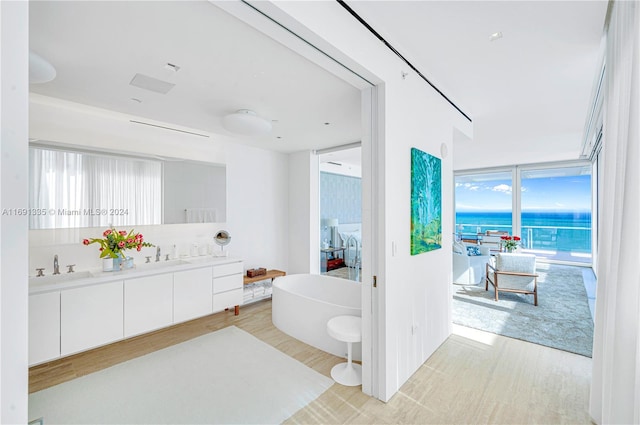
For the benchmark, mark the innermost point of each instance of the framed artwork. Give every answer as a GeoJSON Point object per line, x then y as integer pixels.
{"type": "Point", "coordinates": [426, 202]}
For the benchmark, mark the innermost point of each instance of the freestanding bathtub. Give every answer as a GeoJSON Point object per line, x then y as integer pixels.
{"type": "Point", "coordinates": [302, 304]}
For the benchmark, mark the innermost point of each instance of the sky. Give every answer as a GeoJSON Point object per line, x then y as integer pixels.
{"type": "Point", "coordinates": [567, 193]}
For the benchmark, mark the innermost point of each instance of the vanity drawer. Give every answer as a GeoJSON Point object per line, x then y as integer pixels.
{"type": "Point", "coordinates": [227, 299]}
{"type": "Point", "coordinates": [227, 269]}
{"type": "Point", "coordinates": [227, 283]}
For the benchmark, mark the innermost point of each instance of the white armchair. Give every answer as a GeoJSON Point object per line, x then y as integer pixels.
{"type": "Point", "coordinates": [469, 269]}
{"type": "Point", "coordinates": [513, 273]}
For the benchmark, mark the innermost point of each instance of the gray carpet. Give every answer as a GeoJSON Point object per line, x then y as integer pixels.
{"type": "Point", "coordinates": [561, 320]}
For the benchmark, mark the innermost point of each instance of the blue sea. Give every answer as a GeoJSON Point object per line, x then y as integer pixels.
{"type": "Point", "coordinates": [556, 231]}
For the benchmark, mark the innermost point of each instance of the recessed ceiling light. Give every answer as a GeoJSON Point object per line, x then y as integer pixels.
{"type": "Point", "coordinates": [495, 36]}
{"type": "Point", "coordinates": [327, 123]}
{"type": "Point", "coordinates": [278, 137]}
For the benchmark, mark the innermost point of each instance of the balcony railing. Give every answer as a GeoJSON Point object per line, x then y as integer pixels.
{"type": "Point", "coordinates": [543, 239]}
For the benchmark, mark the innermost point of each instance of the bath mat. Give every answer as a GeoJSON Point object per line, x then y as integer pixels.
{"type": "Point", "coordinates": [224, 377]}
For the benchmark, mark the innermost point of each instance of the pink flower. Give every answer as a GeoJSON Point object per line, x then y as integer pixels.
{"type": "Point", "coordinates": [107, 232]}
{"type": "Point", "coordinates": [139, 248]}
{"type": "Point", "coordinates": [85, 241]}
{"type": "Point", "coordinates": [121, 244]}
{"type": "Point", "coordinates": [139, 236]}
{"type": "Point", "coordinates": [123, 232]}
{"type": "Point", "coordinates": [129, 241]}
{"type": "Point", "coordinates": [516, 238]}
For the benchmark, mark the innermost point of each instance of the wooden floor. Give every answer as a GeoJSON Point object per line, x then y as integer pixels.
{"type": "Point", "coordinates": [474, 377]}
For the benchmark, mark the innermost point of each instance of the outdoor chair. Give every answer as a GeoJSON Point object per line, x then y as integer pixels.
{"type": "Point", "coordinates": [510, 272]}
{"type": "Point", "coordinates": [493, 239]}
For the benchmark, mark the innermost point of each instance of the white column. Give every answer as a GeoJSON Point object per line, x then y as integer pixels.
{"type": "Point", "coordinates": [14, 234]}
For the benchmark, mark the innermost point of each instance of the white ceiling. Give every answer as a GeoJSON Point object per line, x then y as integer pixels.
{"type": "Point", "coordinates": [225, 65]}
{"type": "Point", "coordinates": [533, 84]}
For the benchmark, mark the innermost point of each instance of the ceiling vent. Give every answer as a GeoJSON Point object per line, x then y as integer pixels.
{"type": "Point", "coordinates": [152, 84]}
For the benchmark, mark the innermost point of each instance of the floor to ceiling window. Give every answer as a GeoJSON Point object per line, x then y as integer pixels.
{"type": "Point", "coordinates": [484, 202]}
{"type": "Point", "coordinates": [556, 212]}
{"type": "Point", "coordinates": [549, 207]}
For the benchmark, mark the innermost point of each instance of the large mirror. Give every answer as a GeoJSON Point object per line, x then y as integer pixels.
{"type": "Point", "coordinates": [71, 188]}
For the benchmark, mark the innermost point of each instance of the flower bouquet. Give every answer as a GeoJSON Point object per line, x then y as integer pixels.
{"type": "Point", "coordinates": [510, 243]}
{"type": "Point", "coordinates": [116, 242]}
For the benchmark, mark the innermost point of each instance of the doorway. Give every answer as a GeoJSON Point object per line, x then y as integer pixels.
{"type": "Point", "coordinates": [341, 212]}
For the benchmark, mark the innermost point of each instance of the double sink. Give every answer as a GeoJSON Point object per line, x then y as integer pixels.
{"type": "Point", "coordinates": [85, 274]}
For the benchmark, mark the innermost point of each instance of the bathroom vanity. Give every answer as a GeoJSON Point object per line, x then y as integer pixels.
{"type": "Point", "coordinates": [74, 312]}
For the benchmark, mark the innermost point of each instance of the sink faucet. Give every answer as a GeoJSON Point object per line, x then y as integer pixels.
{"type": "Point", "coordinates": [56, 266]}
{"type": "Point", "coordinates": [157, 254]}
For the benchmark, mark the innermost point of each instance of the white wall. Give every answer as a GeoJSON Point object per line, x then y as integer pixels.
{"type": "Point", "coordinates": [257, 185]}
{"type": "Point", "coordinates": [304, 212]}
{"type": "Point", "coordinates": [415, 289]}
{"type": "Point", "coordinates": [14, 29]}
{"type": "Point", "coordinates": [257, 206]}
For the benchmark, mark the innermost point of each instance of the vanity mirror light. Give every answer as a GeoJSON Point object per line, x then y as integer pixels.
{"type": "Point", "coordinates": [72, 188]}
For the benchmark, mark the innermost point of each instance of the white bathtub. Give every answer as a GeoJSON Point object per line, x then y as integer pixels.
{"type": "Point", "coordinates": [302, 304]}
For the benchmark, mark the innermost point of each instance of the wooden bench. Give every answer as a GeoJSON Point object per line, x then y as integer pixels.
{"type": "Point", "coordinates": [271, 274]}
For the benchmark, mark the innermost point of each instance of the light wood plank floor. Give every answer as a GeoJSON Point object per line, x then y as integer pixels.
{"type": "Point", "coordinates": [474, 377]}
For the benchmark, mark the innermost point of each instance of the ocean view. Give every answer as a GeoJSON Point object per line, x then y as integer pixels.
{"type": "Point", "coordinates": [554, 231]}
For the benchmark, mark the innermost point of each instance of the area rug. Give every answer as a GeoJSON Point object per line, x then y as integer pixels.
{"type": "Point", "coordinates": [225, 377]}
{"type": "Point", "coordinates": [561, 320]}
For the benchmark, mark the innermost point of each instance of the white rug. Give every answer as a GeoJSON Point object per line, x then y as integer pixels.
{"type": "Point", "coordinates": [225, 377]}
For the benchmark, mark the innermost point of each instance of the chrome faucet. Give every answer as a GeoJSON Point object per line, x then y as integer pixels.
{"type": "Point", "coordinates": [157, 254]}
{"type": "Point", "coordinates": [56, 266]}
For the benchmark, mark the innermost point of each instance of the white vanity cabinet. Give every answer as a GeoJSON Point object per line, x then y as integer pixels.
{"type": "Point", "coordinates": [90, 316]}
{"type": "Point", "coordinates": [227, 286]}
{"type": "Point", "coordinates": [192, 294]}
{"type": "Point", "coordinates": [77, 315]}
{"type": "Point", "coordinates": [44, 327]}
{"type": "Point", "coordinates": [148, 303]}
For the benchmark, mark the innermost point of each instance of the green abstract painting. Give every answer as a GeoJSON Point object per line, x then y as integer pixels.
{"type": "Point", "coordinates": [426, 202]}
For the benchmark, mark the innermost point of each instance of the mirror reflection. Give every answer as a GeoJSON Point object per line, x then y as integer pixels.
{"type": "Point", "coordinates": [70, 188]}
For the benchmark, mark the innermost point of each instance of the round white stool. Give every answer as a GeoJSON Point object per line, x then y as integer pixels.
{"type": "Point", "coordinates": [347, 329]}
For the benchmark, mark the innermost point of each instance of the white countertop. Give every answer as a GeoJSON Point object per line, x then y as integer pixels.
{"type": "Point", "coordinates": [78, 279]}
